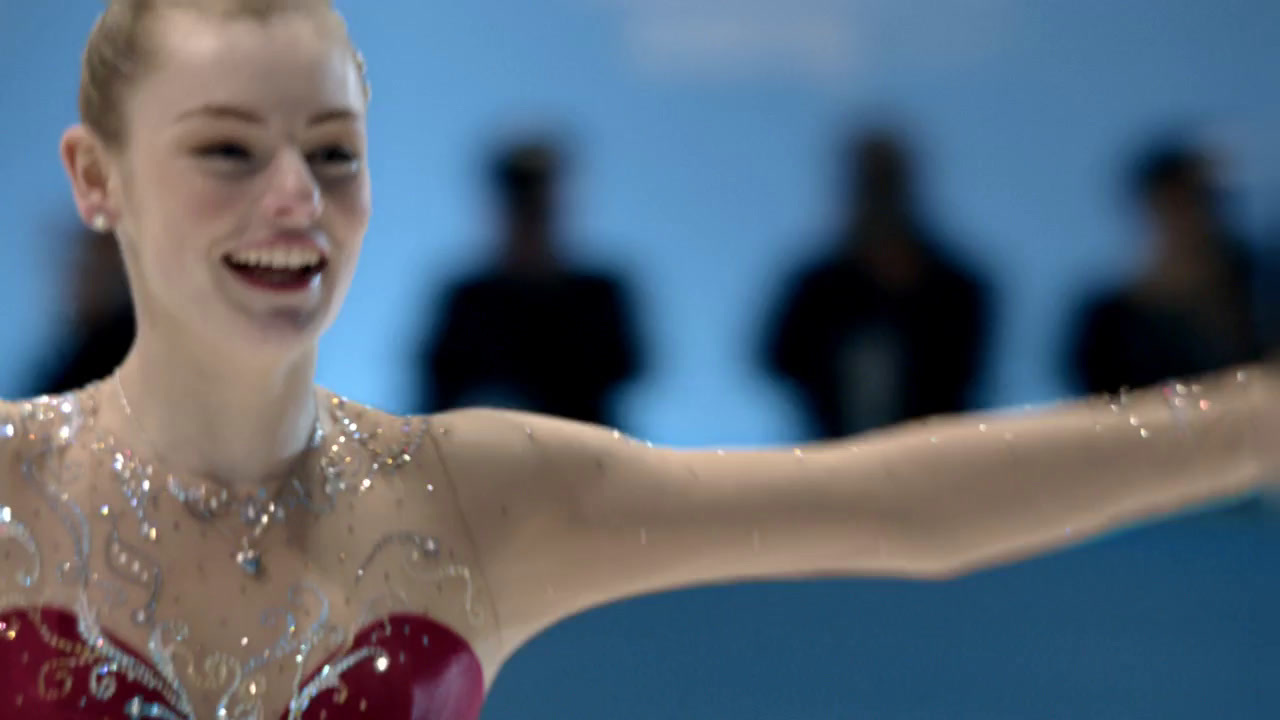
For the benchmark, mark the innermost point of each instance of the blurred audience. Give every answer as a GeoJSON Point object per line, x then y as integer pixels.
{"type": "Point", "coordinates": [886, 326]}
{"type": "Point", "coordinates": [102, 324]}
{"type": "Point", "coordinates": [1195, 306]}
{"type": "Point", "coordinates": [1268, 291]}
{"type": "Point", "coordinates": [531, 332]}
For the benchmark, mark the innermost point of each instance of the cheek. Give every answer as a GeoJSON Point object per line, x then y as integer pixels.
{"type": "Point", "coordinates": [194, 208]}
{"type": "Point", "coordinates": [349, 207]}
{"type": "Point", "coordinates": [211, 205]}
{"type": "Point", "coordinates": [179, 216]}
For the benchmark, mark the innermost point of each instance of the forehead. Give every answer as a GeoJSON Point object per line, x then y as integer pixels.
{"type": "Point", "coordinates": [291, 63]}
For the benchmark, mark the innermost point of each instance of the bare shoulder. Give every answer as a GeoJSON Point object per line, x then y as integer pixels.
{"type": "Point", "coordinates": [517, 472]}
{"type": "Point", "coordinates": [517, 477]}
{"type": "Point", "coordinates": [498, 457]}
{"type": "Point", "coordinates": [498, 436]}
{"type": "Point", "coordinates": [474, 452]}
{"type": "Point", "coordinates": [525, 479]}
{"type": "Point", "coordinates": [481, 450]}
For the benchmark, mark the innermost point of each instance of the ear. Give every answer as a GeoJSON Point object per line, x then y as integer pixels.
{"type": "Point", "coordinates": [88, 166]}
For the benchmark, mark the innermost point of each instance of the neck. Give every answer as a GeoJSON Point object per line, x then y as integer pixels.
{"type": "Point", "coordinates": [1190, 265]}
{"type": "Point", "coordinates": [529, 250]}
{"type": "Point", "coordinates": [203, 413]}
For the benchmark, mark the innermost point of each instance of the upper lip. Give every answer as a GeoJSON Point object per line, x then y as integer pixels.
{"type": "Point", "coordinates": [301, 241]}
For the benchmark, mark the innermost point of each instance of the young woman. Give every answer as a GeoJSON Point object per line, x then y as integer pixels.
{"type": "Point", "coordinates": [206, 534]}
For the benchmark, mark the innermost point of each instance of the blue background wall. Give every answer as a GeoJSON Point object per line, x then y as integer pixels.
{"type": "Point", "coordinates": [702, 134]}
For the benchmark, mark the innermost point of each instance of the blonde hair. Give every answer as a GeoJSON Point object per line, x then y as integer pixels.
{"type": "Point", "coordinates": [119, 50]}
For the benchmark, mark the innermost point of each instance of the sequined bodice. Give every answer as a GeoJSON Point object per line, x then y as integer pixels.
{"type": "Point", "coordinates": [115, 601]}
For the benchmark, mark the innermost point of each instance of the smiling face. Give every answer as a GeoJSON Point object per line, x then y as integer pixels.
{"type": "Point", "coordinates": [238, 189]}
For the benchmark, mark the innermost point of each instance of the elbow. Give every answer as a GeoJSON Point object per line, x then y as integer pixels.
{"type": "Point", "coordinates": [946, 572]}
{"type": "Point", "coordinates": [929, 572]}
{"type": "Point", "coordinates": [953, 565]}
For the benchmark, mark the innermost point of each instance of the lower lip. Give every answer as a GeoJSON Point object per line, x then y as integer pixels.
{"type": "Point", "coordinates": [276, 280]}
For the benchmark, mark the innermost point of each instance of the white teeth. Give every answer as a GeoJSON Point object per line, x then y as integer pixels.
{"type": "Point", "coordinates": [277, 258]}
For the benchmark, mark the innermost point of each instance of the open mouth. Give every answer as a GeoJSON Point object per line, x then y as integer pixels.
{"type": "Point", "coordinates": [282, 269]}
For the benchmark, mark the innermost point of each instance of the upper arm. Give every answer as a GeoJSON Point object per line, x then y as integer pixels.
{"type": "Point", "coordinates": [568, 515]}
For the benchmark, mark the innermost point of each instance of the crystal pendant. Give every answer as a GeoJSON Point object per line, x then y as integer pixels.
{"type": "Point", "coordinates": [250, 561]}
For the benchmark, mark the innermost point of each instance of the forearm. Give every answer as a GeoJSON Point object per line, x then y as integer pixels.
{"type": "Point", "coordinates": [959, 493]}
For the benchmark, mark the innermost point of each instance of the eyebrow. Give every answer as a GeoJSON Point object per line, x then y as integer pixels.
{"type": "Point", "coordinates": [234, 112]}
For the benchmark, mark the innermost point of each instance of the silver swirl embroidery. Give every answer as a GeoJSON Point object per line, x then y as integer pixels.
{"type": "Point", "coordinates": [135, 484]}
{"type": "Point", "coordinates": [107, 595]}
{"type": "Point", "coordinates": [120, 661]}
{"type": "Point", "coordinates": [328, 678]}
{"type": "Point", "coordinates": [424, 547]}
{"type": "Point", "coordinates": [12, 530]}
{"type": "Point", "coordinates": [219, 662]}
{"type": "Point", "coordinates": [363, 452]}
{"type": "Point", "coordinates": [290, 642]}
{"type": "Point", "coordinates": [63, 413]}
{"type": "Point", "coordinates": [136, 568]}
{"type": "Point", "coordinates": [272, 617]}
{"type": "Point", "coordinates": [414, 566]}
{"type": "Point", "coordinates": [161, 649]}
{"type": "Point", "coordinates": [102, 681]}
{"type": "Point", "coordinates": [53, 423]}
{"type": "Point", "coordinates": [474, 613]}
{"type": "Point", "coordinates": [139, 709]}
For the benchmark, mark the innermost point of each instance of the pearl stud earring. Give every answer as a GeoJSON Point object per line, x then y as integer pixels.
{"type": "Point", "coordinates": [100, 223]}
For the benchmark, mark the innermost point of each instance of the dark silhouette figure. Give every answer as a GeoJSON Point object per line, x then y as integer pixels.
{"type": "Point", "coordinates": [1267, 284]}
{"type": "Point", "coordinates": [886, 327]}
{"type": "Point", "coordinates": [1194, 308]}
{"type": "Point", "coordinates": [531, 332]}
{"type": "Point", "coordinates": [102, 323]}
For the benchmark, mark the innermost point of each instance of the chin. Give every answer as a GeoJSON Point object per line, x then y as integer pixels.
{"type": "Point", "coordinates": [277, 335]}
{"type": "Point", "coordinates": [273, 322]}
{"type": "Point", "coordinates": [287, 328]}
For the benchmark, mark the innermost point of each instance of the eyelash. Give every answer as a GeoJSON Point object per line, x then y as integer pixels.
{"type": "Point", "coordinates": [330, 157]}
{"type": "Point", "coordinates": [223, 151]}
{"type": "Point", "coordinates": [333, 154]}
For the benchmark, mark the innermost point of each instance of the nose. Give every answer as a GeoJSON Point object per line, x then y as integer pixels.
{"type": "Point", "coordinates": [294, 199]}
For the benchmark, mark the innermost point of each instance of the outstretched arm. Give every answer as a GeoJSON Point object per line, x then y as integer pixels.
{"type": "Point", "coordinates": [568, 516]}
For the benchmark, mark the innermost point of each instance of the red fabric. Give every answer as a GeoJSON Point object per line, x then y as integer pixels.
{"type": "Point", "coordinates": [48, 674]}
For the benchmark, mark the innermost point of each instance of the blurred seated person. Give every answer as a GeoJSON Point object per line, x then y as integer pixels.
{"type": "Point", "coordinates": [886, 326]}
{"type": "Point", "coordinates": [531, 332]}
{"type": "Point", "coordinates": [101, 330]}
{"type": "Point", "coordinates": [1194, 307]}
